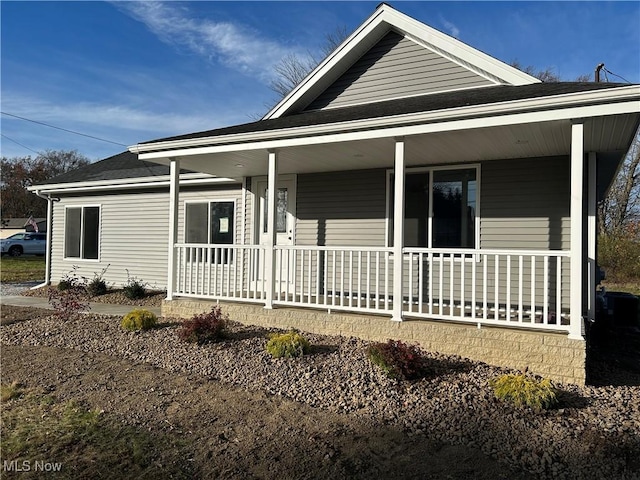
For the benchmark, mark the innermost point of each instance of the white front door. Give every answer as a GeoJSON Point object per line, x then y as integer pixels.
{"type": "Point", "coordinates": [285, 220]}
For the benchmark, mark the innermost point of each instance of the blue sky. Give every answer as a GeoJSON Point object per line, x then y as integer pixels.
{"type": "Point", "coordinates": [136, 71]}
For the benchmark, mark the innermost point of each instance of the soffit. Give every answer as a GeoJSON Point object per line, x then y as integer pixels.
{"type": "Point", "coordinates": [474, 145]}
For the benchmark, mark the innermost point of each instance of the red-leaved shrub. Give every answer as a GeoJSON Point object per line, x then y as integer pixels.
{"type": "Point", "coordinates": [204, 328]}
{"type": "Point", "coordinates": [397, 359]}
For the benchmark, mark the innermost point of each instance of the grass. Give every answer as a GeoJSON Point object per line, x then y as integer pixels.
{"type": "Point", "coordinates": [22, 269]}
{"type": "Point", "coordinates": [84, 443]}
{"type": "Point", "coordinates": [628, 287]}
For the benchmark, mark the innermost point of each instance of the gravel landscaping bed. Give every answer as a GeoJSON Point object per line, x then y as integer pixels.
{"type": "Point", "coordinates": [152, 298]}
{"type": "Point", "coordinates": [594, 433]}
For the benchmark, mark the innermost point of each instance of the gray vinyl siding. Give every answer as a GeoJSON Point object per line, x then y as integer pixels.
{"type": "Point", "coordinates": [341, 209]}
{"type": "Point", "coordinates": [525, 204]}
{"type": "Point", "coordinates": [396, 67]}
{"type": "Point", "coordinates": [134, 229]}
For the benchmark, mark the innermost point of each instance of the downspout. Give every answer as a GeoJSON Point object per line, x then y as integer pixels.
{"type": "Point", "coordinates": [47, 256]}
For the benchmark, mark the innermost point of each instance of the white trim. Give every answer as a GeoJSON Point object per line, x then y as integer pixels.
{"type": "Point", "coordinates": [563, 107]}
{"type": "Point", "coordinates": [256, 183]}
{"type": "Point", "coordinates": [126, 183]}
{"type": "Point", "coordinates": [82, 222]}
{"type": "Point", "coordinates": [243, 227]}
{"type": "Point", "coordinates": [398, 225]}
{"type": "Point", "coordinates": [209, 202]}
{"type": "Point", "coordinates": [592, 210]}
{"type": "Point", "coordinates": [577, 257]}
{"type": "Point", "coordinates": [383, 20]}
{"type": "Point", "coordinates": [174, 202]}
{"type": "Point", "coordinates": [270, 258]}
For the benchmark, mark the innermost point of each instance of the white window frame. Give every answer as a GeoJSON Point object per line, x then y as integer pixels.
{"type": "Point", "coordinates": [409, 171]}
{"type": "Point", "coordinates": [64, 233]}
{"type": "Point", "coordinates": [209, 202]}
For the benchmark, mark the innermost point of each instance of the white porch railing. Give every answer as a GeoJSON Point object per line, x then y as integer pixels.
{"type": "Point", "coordinates": [516, 287]}
{"type": "Point", "coordinates": [335, 278]}
{"type": "Point", "coordinates": [225, 272]}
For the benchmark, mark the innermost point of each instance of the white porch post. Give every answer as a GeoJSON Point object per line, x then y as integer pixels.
{"type": "Point", "coordinates": [591, 234]}
{"type": "Point", "coordinates": [577, 257]}
{"type": "Point", "coordinates": [398, 229]}
{"type": "Point", "coordinates": [174, 197]}
{"type": "Point", "coordinates": [270, 258]}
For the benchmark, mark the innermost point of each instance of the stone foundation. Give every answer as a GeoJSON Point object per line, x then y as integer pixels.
{"type": "Point", "coordinates": [552, 355]}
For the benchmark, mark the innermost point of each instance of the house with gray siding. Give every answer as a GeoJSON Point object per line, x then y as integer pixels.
{"type": "Point", "coordinates": [410, 187]}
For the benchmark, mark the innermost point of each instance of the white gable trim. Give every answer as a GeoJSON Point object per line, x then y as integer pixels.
{"type": "Point", "coordinates": [383, 20]}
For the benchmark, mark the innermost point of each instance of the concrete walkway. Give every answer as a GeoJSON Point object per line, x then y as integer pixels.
{"type": "Point", "coordinates": [95, 307]}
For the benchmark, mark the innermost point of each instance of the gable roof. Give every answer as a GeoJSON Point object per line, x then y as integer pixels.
{"type": "Point", "coordinates": [384, 20]}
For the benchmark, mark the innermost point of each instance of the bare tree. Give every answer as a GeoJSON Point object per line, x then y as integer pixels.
{"type": "Point", "coordinates": [622, 204]}
{"type": "Point", "coordinates": [18, 173]}
{"type": "Point", "coordinates": [292, 69]}
{"type": "Point", "coordinates": [548, 75]}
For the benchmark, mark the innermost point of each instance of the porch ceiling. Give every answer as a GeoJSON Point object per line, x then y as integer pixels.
{"type": "Point", "coordinates": [602, 134]}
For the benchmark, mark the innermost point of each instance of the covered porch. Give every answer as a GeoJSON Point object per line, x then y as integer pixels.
{"type": "Point", "coordinates": [551, 288]}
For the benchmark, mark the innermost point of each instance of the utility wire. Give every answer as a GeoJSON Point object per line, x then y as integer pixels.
{"type": "Point", "coordinates": [615, 75]}
{"type": "Point", "coordinates": [18, 143]}
{"type": "Point", "coordinates": [63, 129]}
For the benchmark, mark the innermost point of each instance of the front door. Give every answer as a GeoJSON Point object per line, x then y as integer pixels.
{"type": "Point", "coordinates": [285, 220]}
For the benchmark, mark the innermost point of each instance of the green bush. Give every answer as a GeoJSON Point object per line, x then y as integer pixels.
{"type": "Point", "coordinates": [134, 288]}
{"type": "Point", "coordinates": [397, 359]}
{"type": "Point", "coordinates": [290, 344]}
{"type": "Point", "coordinates": [97, 286]}
{"type": "Point", "coordinates": [204, 328]}
{"type": "Point", "coordinates": [525, 391]}
{"type": "Point", "coordinates": [139, 319]}
{"type": "Point", "coordinates": [619, 255]}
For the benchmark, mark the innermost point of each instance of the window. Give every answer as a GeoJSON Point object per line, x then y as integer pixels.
{"type": "Point", "coordinates": [281, 210]}
{"type": "Point", "coordinates": [81, 232]}
{"type": "Point", "coordinates": [440, 208]}
{"type": "Point", "coordinates": [210, 223]}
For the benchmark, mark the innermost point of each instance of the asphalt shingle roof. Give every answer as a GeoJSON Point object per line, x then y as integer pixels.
{"type": "Point", "coordinates": [424, 103]}
{"type": "Point", "coordinates": [120, 166]}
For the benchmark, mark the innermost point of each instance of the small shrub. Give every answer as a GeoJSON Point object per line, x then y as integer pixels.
{"type": "Point", "coordinates": [290, 344]}
{"type": "Point", "coordinates": [139, 319]}
{"type": "Point", "coordinates": [71, 299]}
{"type": "Point", "coordinates": [97, 286]}
{"type": "Point", "coordinates": [397, 359]}
{"type": "Point", "coordinates": [204, 328]}
{"type": "Point", "coordinates": [525, 391]}
{"type": "Point", "coordinates": [134, 288]}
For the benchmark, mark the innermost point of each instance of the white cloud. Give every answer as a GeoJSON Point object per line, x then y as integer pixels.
{"type": "Point", "coordinates": [117, 123]}
{"type": "Point", "coordinates": [453, 30]}
{"type": "Point", "coordinates": [234, 45]}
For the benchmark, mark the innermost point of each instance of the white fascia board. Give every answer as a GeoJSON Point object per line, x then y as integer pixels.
{"type": "Point", "coordinates": [351, 42]}
{"type": "Point", "coordinates": [383, 20]}
{"type": "Point", "coordinates": [459, 52]}
{"type": "Point", "coordinates": [593, 103]}
{"type": "Point", "coordinates": [130, 183]}
{"type": "Point", "coordinates": [569, 113]}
